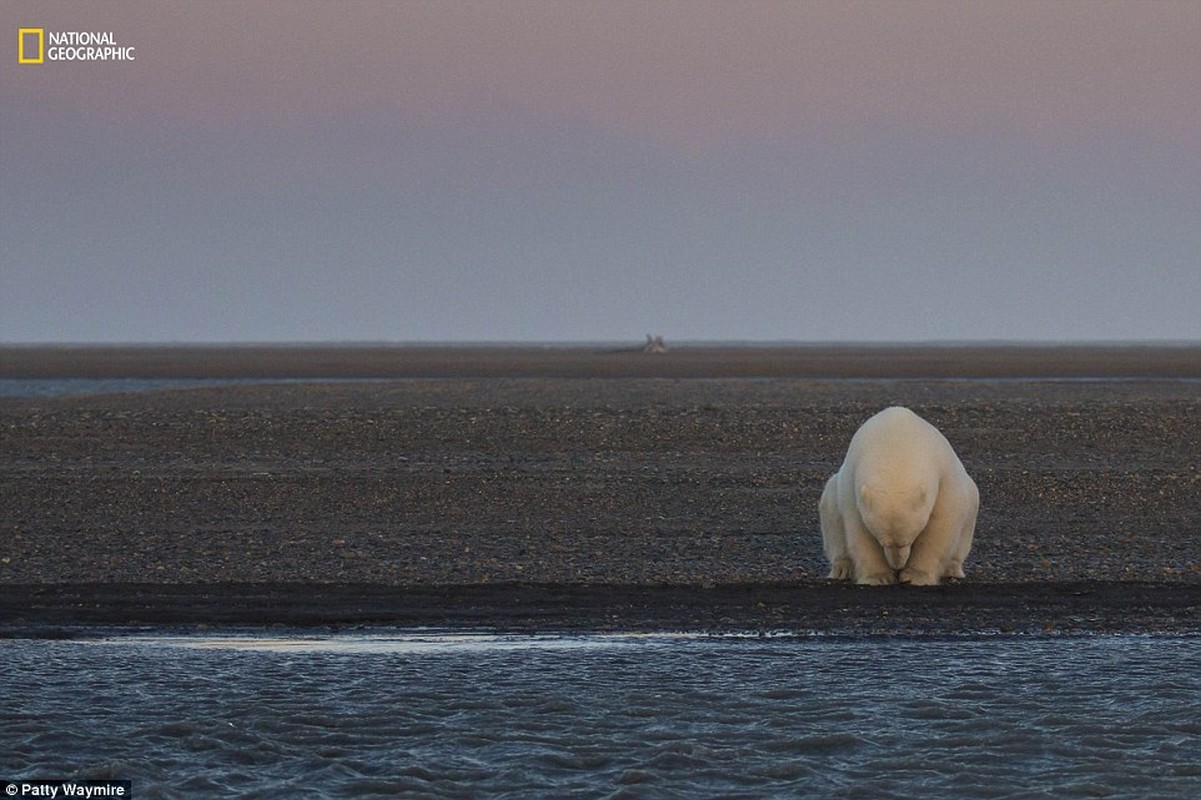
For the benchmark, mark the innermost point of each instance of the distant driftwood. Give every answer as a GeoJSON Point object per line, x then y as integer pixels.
{"type": "Point", "coordinates": [654, 344]}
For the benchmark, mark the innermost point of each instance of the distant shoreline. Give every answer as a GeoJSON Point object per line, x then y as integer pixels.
{"type": "Point", "coordinates": [315, 361]}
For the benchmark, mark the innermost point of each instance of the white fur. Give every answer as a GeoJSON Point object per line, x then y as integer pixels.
{"type": "Point", "coordinates": [901, 507]}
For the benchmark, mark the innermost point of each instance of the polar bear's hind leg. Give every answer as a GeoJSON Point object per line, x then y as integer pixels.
{"type": "Point", "coordinates": [834, 536]}
{"type": "Point", "coordinates": [955, 568]}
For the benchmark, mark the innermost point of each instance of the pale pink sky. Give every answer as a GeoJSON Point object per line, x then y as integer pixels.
{"type": "Point", "coordinates": [925, 132]}
{"type": "Point", "coordinates": [688, 73]}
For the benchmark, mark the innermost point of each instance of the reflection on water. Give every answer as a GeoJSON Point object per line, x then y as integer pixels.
{"type": "Point", "coordinates": [617, 716]}
{"type": "Point", "coordinates": [61, 387]}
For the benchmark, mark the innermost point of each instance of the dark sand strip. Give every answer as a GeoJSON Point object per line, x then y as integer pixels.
{"type": "Point", "coordinates": [834, 609]}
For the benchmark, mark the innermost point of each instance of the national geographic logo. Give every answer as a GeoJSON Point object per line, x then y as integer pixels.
{"type": "Point", "coordinates": [31, 45]}
{"type": "Point", "coordinates": [37, 46]}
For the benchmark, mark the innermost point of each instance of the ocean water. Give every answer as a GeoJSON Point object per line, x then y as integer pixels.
{"type": "Point", "coordinates": [424, 715]}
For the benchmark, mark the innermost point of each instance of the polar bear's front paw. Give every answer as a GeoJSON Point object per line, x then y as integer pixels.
{"type": "Point", "coordinates": [876, 579]}
{"type": "Point", "coordinates": [915, 577]}
{"type": "Point", "coordinates": [841, 570]}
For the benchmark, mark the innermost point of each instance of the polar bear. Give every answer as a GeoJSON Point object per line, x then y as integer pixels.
{"type": "Point", "coordinates": [901, 506]}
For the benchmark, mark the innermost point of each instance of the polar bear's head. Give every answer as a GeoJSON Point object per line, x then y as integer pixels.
{"type": "Point", "coordinates": [895, 517]}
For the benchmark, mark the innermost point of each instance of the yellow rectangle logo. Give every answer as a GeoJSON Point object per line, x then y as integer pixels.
{"type": "Point", "coordinates": [23, 53]}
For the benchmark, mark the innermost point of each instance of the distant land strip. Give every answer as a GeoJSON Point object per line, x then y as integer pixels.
{"type": "Point", "coordinates": [317, 361]}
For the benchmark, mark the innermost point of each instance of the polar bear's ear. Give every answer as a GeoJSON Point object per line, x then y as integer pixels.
{"type": "Point", "coordinates": [865, 494]}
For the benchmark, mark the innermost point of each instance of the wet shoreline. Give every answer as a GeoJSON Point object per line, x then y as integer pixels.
{"type": "Point", "coordinates": [1067, 608]}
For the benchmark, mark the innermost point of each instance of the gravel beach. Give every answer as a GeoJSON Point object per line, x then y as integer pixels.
{"type": "Point", "coordinates": [512, 498]}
